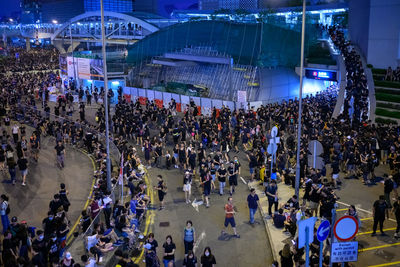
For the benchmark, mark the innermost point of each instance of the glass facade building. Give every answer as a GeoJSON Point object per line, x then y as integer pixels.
{"type": "Point", "coordinates": [109, 5]}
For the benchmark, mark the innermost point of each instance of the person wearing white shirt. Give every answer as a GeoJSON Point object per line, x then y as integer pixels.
{"type": "Point", "coordinates": [88, 261]}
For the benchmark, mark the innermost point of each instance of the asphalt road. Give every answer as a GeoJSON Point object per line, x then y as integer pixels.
{"type": "Point", "coordinates": [31, 202]}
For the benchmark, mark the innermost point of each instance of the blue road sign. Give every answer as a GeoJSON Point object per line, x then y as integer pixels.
{"type": "Point", "coordinates": [323, 231]}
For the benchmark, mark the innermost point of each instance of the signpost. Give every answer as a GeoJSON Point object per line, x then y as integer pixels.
{"type": "Point", "coordinates": [345, 228]}
{"type": "Point", "coordinates": [344, 251]}
{"type": "Point", "coordinates": [306, 235]}
{"type": "Point", "coordinates": [322, 234]}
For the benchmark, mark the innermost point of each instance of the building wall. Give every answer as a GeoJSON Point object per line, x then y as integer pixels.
{"type": "Point", "coordinates": [228, 4]}
{"type": "Point", "coordinates": [359, 11]}
{"type": "Point", "coordinates": [384, 33]}
{"type": "Point", "coordinates": [150, 6]}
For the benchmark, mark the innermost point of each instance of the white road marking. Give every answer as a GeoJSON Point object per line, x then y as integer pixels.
{"type": "Point", "coordinates": [196, 204]}
{"type": "Point", "coordinates": [197, 243]}
{"type": "Point", "coordinates": [243, 180]}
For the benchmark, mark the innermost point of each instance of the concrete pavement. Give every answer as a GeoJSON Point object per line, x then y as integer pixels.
{"type": "Point", "coordinates": [373, 251]}
{"type": "Point", "coordinates": [31, 202]}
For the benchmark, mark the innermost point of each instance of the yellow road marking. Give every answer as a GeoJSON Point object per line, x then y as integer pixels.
{"type": "Point", "coordinates": [370, 232]}
{"type": "Point", "coordinates": [70, 234]}
{"type": "Point", "coordinates": [383, 246]}
{"type": "Point", "coordinates": [385, 264]}
{"type": "Point", "coordinates": [342, 209]}
{"type": "Point", "coordinates": [149, 216]}
{"type": "Point", "coordinates": [364, 219]}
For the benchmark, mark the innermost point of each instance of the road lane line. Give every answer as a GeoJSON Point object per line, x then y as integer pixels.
{"type": "Point", "coordinates": [342, 209]}
{"type": "Point", "coordinates": [150, 216]}
{"type": "Point", "coordinates": [370, 232]}
{"type": "Point", "coordinates": [70, 236]}
{"type": "Point", "coordinates": [385, 264]}
{"type": "Point", "coordinates": [243, 180]}
{"type": "Point", "coordinates": [365, 219]}
{"type": "Point", "coordinates": [378, 247]}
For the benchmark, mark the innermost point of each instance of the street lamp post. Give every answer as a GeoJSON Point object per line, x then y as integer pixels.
{"type": "Point", "coordinates": [103, 50]}
{"type": "Point", "coordinates": [297, 185]}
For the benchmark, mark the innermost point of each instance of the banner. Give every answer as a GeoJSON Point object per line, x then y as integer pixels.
{"type": "Point", "coordinates": [63, 65]}
{"type": "Point", "coordinates": [241, 96]}
{"type": "Point", "coordinates": [83, 68]}
{"type": "Point", "coordinates": [70, 66]}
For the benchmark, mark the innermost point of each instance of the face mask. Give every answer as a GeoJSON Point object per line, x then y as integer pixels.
{"type": "Point", "coordinates": [40, 237]}
{"type": "Point", "coordinates": [50, 218]}
{"type": "Point", "coordinates": [207, 253]}
{"type": "Point", "coordinates": [54, 238]}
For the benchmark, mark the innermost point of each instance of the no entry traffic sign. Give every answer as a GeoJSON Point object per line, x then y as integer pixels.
{"type": "Point", "coordinates": [345, 228]}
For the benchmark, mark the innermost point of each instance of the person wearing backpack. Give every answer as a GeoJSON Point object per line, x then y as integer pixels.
{"type": "Point", "coordinates": [4, 211]}
{"type": "Point", "coordinates": [189, 236]}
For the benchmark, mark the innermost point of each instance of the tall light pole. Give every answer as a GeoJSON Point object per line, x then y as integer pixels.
{"type": "Point", "coordinates": [103, 50]}
{"type": "Point", "coordinates": [72, 52]}
{"type": "Point", "coordinates": [300, 99]}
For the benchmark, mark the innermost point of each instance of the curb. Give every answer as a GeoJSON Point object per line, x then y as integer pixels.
{"type": "Point", "coordinates": [275, 253]}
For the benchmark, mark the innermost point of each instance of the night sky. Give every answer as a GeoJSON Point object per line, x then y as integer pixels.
{"type": "Point", "coordinates": [8, 6]}
{"type": "Point", "coordinates": [165, 6]}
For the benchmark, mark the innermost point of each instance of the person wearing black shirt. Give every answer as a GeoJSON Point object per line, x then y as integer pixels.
{"type": "Point", "coordinates": [55, 204]}
{"type": "Point", "coordinates": [207, 182]}
{"type": "Point", "coordinates": [221, 174]}
{"type": "Point", "coordinates": [387, 189]}
{"type": "Point", "coordinates": [23, 168]}
{"type": "Point", "coordinates": [169, 251]}
{"type": "Point", "coordinates": [152, 242]}
{"type": "Point", "coordinates": [252, 164]}
{"type": "Point", "coordinates": [162, 191]}
{"type": "Point", "coordinates": [190, 260]}
{"type": "Point", "coordinates": [335, 171]}
{"type": "Point", "coordinates": [379, 210]}
{"type": "Point", "coordinates": [315, 198]}
{"type": "Point", "coordinates": [49, 225]}
{"type": "Point", "coordinates": [233, 172]}
{"type": "Point", "coordinates": [60, 153]}
{"type": "Point", "coordinates": [208, 259]}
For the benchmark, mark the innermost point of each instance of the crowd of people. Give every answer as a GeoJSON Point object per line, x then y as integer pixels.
{"type": "Point", "coordinates": [18, 59]}
{"type": "Point", "coordinates": [356, 99]}
{"type": "Point", "coordinates": [393, 75]}
{"type": "Point", "coordinates": [214, 148]}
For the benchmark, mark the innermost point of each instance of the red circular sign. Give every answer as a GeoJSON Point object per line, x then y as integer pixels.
{"type": "Point", "coordinates": [345, 228]}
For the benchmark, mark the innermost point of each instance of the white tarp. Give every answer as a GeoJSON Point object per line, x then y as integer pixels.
{"type": "Point", "coordinates": [217, 103]}
{"type": "Point", "coordinates": [158, 95]}
{"type": "Point", "coordinates": [150, 95]}
{"type": "Point", "coordinates": [206, 107]}
{"type": "Point", "coordinates": [166, 98]}
{"type": "Point", "coordinates": [229, 104]}
{"type": "Point", "coordinates": [141, 92]}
